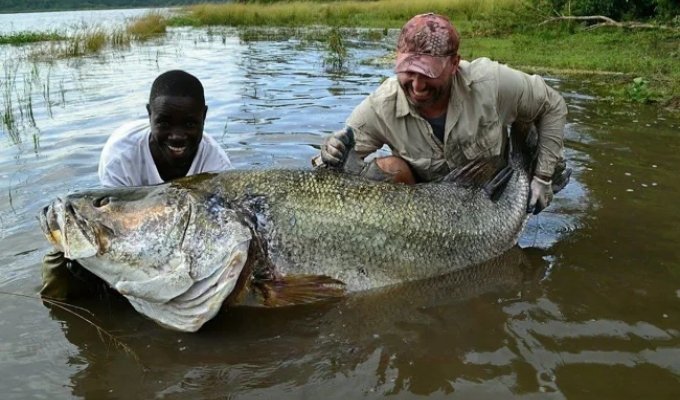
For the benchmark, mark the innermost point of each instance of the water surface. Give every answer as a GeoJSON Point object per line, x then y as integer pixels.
{"type": "Point", "coordinates": [587, 307]}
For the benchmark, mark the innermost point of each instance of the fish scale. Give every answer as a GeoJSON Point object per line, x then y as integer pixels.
{"type": "Point", "coordinates": [370, 234]}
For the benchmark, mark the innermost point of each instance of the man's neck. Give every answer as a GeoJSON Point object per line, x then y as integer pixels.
{"type": "Point", "coordinates": [435, 110]}
{"type": "Point", "coordinates": [169, 173]}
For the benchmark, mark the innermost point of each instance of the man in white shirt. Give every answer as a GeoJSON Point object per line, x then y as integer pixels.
{"type": "Point", "coordinates": [170, 145]}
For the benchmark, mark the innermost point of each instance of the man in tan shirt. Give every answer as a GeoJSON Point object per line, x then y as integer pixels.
{"type": "Point", "coordinates": [440, 112]}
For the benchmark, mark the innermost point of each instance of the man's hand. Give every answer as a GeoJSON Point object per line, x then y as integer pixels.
{"type": "Point", "coordinates": [335, 147]}
{"type": "Point", "coordinates": [541, 195]}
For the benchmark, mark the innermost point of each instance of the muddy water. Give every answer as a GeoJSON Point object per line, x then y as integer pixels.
{"type": "Point", "coordinates": [587, 306]}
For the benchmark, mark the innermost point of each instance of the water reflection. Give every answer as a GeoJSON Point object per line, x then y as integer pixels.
{"type": "Point", "coordinates": [412, 338]}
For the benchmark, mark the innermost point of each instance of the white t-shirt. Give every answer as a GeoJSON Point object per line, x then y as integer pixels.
{"type": "Point", "coordinates": [126, 158]}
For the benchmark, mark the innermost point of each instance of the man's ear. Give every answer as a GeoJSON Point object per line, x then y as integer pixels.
{"type": "Point", "coordinates": [148, 110]}
{"type": "Point", "coordinates": [205, 112]}
{"type": "Point", "coordinates": [455, 60]}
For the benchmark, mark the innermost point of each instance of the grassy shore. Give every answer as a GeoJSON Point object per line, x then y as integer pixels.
{"type": "Point", "coordinates": [89, 39]}
{"type": "Point", "coordinates": [20, 38]}
{"type": "Point", "coordinates": [640, 64]}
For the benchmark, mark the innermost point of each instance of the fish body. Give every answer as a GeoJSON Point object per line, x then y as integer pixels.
{"type": "Point", "coordinates": [181, 250]}
{"type": "Point", "coordinates": [368, 234]}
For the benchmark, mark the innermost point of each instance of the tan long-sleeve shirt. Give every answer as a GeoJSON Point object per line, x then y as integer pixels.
{"type": "Point", "coordinates": [486, 97]}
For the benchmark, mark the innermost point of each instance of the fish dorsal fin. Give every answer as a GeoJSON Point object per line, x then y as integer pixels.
{"type": "Point", "coordinates": [298, 289]}
{"type": "Point", "coordinates": [490, 174]}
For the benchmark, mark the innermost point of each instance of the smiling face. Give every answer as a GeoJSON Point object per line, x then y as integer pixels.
{"type": "Point", "coordinates": [176, 132]}
{"type": "Point", "coordinates": [429, 95]}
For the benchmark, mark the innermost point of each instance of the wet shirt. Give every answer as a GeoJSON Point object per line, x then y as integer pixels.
{"type": "Point", "coordinates": [486, 97]}
{"type": "Point", "coordinates": [126, 159]}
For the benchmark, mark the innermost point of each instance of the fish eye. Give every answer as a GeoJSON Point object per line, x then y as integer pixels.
{"type": "Point", "coordinates": [101, 201]}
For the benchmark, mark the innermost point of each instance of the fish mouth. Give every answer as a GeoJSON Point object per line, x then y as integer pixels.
{"type": "Point", "coordinates": [50, 227]}
{"type": "Point", "coordinates": [67, 231]}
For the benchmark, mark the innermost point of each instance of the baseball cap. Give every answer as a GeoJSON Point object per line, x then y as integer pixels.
{"type": "Point", "coordinates": [424, 44]}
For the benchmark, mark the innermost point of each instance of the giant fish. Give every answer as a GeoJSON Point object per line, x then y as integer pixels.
{"type": "Point", "coordinates": [181, 251]}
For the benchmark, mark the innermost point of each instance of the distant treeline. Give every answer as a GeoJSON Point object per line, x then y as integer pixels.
{"type": "Point", "coordinates": [52, 5]}
{"type": "Point", "coordinates": [617, 9]}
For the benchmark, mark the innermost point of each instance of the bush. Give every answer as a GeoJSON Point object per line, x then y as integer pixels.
{"type": "Point", "coordinates": [638, 91]}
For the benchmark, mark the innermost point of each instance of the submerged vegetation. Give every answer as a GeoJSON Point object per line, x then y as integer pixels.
{"type": "Point", "coordinates": [92, 40]}
{"type": "Point", "coordinates": [20, 94]}
{"type": "Point", "coordinates": [19, 89]}
{"type": "Point", "coordinates": [336, 58]}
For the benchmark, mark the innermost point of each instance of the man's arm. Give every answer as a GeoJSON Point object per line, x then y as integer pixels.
{"type": "Point", "coordinates": [528, 99]}
{"type": "Point", "coordinates": [64, 279]}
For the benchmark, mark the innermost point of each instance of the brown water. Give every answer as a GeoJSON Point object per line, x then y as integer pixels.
{"type": "Point", "coordinates": [588, 305]}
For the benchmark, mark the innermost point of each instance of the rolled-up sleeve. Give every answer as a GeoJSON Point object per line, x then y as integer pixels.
{"type": "Point", "coordinates": [529, 99]}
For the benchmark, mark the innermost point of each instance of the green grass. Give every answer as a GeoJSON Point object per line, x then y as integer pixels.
{"type": "Point", "coordinates": [504, 30]}
{"type": "Point", "coordinates": [370, 14]}
{"type": "Point", "coordinates": [89, 40]}
{"type": "Point", "coordinates": [607, 52]}
{"type": "Point", "coordinates": [20, 38]}
{"type": "Point", "coordinates": [84, 42]}
{"type": "Point", "coordinates": [147, 26]}
{"type": "Point", "coordinates": [336, 60]}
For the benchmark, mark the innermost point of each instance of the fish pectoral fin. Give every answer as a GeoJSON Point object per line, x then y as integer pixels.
{"type": "Point", "coordinates": [477, 172]}
{"type": "Point", "coordinates": [492, 174]}
{"type": "Point", "coordinates": [299, 289]}
{"type": "Point", "coordinates": [497, 184]}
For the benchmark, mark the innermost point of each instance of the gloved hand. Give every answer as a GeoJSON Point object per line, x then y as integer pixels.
{"type": "Point", "coordinates": [541, 195]}
{"type": "Point", "coordinates": [65, 279]}
{"type": "Point", "coordinates": [335, 147]}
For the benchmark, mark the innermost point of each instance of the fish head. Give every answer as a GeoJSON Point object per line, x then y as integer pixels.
{"type": "Point", "coordinates": [173, 251]}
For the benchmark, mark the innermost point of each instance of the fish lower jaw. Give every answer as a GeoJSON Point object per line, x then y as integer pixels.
{"type": "Point", "coordinates": [200, 303]}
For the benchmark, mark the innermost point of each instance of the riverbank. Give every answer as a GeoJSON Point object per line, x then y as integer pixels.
{"type": "Point", "coordinates": [641, 64]}
{"type": "Point", "coordinates": [638, 64]}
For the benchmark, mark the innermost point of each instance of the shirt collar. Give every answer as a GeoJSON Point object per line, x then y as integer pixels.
{"type": "Point", "coordinates": [403, 106]}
